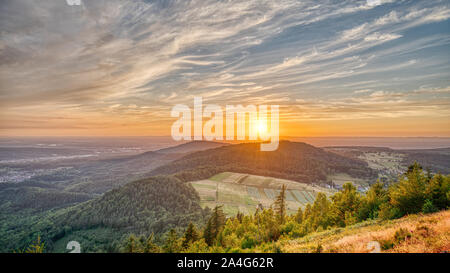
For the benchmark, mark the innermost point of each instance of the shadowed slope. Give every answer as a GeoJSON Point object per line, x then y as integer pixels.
{"type": "Point", "coordinates": [293, 160]}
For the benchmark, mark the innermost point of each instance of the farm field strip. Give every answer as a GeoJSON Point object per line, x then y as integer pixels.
{"type": "Point", "coordinates": [290, 197]}
{"type": "Point", "coordinates": [308, 196]}
{"type": "Point", "coordinates": [300, 197]}
{"type": "Point", "coordinates": [271, 193]}
{"type": "Point", "coordinates": [242, 192]}
{"type": "Point", "coordinates": [253, 192]}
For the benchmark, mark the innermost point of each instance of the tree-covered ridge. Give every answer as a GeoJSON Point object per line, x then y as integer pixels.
{"type": "Point", "coordinates": [415, 192]}
{"type": "Point", "coordinates": [153, 205]}
{"type": "Point", "coordinates": [33, 196]}
{"type": "Point", "coordinates": [292, 160]}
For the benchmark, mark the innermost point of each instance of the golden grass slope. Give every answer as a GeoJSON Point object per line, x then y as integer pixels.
{"type": "Point", "coordinates": [411, 234]}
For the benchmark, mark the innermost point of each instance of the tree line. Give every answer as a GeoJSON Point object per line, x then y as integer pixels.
{"type": "Point", "coordinates": [416, 191]}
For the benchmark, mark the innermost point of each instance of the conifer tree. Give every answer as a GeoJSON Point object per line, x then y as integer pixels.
{"type": "Point", "coordinates": [171, 245]}
{"type": "Point", "coordinates": [280, 205]}
{"type": "Point", "coordinates": [299, 216]}
{"type": "Point", "coordinates": [208, 233]}
{"type": "Point", "coordinates": [214, 225]}
{"type": "Point", "coordinates": [150, 246]}
{"type": "Point", "coordinates": [190, 236]}
{"type": "Point", "coordinates": [37, 247]}
{"type": "Point", "coordinates": [409, 195]}
{"type": "Point", "coordinates": [131, 244]}
{"type": "Point", "coordinates": [239, 216]}
{"type": "Point", "coordinates": [346, 204]}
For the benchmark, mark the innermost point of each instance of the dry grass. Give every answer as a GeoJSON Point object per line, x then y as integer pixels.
{"type": "Point", "coordinates": [412, 234]}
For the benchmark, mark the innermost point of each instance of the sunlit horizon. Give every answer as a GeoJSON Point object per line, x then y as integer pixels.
{"type": "Point", "coordinates": [335, 69]}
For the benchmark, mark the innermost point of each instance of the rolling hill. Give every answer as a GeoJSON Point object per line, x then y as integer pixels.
{"type": "Point", "coordinates": [293, 160]}
{"type": "Point", "coordinates": [193, 146]}
{"type": "Point", "coordinates": [100, 194]}
{"type": "Point", "coordinates": [389, 163]}
{"type": "Point", "coordinates": [153, 205]}
{"type": "Point", "coordinates": [96, 176]}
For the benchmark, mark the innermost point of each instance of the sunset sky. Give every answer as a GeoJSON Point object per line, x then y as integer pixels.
{"type": "Point", "coordinates": [116, 68]}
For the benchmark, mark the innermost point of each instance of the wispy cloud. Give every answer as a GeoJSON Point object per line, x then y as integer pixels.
{"type": "Point", "coordinates": [121, 60]}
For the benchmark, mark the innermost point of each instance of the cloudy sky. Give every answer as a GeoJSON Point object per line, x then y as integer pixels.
{"type": "Point", "coordinates": [116, 67]}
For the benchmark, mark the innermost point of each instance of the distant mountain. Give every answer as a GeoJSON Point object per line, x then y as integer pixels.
{"type": "Point", "coordinates": [192, 146]}
{"type": "Point", "coordinates": [99, 176]}
{"type": "Point", "coordinates": [36, 197]}
{"type": "Point", "coordinates": [292, 160]}
{"type": "Point", "coordinates": [102, 175]}
{"type": "Point", "coordinates": [110, 173]}
{"type": "Point", "coordinates": [436, 160]}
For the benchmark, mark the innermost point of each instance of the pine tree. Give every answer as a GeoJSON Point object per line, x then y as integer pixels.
{"type": "Point", "coordinates": [414, 167]}
{"type": "Point", "coordinates": [409, 195]}
{"type": "Point", "coordinates": [437, 190]}
{"type": "Point", "coordinates": [190, 236]}
{"type": "Point", "coordinates": [218, 220]}
{"type": "Point", "coordinates": [214, 225]}
{"type": "Point", "coordinates": [37, 247]}
{"type": "Point", "coordinates": [131, 244]}
{"type": "Point", "coordinates": [150, 246]}
{"type": "Point", "coordinates": [299, 216]}
{"type": "Point", "coordinates": [370, 204]}
{"type": "Point", "coordinates": [239, 216]}
{"type": "Point", "coordinates": [280, 205]}
{"type": "Point", "coordinates": [171, 245]}
{"type": "Point", "coordinates": [346, 204]}
{"type": "Point", "coordinates": [208, 233]}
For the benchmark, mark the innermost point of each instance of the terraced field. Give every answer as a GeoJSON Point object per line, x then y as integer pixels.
{"type": "Point", "coordinates": [243, 192]}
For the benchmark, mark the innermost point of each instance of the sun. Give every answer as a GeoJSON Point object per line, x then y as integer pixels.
{"type": "Point", "coordinates": [262, 128]}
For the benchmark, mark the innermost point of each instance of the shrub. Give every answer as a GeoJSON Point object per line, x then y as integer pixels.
{"type": "Point", "coordinates": [401, 235]}
{"type": "Point", "coordinates": [386, 244]}
{"type": "Point", "coordinates": [288, 227]}
{"type": "Point", "coordinates": [428, 207]}
{"type": "Point", "coordinates": [276, 248]}
{"type": "Point", "coordinates": [248, 242]}
{"type": "Point", "coordinates": [388, 212]}
{"type": "Point", "coordinates": [318, 249]}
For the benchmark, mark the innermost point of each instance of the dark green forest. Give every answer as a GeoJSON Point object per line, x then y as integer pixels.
{"type": "Point", "coordinates": [150, 206]}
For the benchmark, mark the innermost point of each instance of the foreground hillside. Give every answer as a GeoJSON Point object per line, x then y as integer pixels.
{"type": "Point", "coordinates": [293, 160]}
{"type": "Point", "coordinates": [410, 234]}
{"type": "Point", "coordinates": [147, 206]}
{"type": "Point", "coordinates": [336, 222]}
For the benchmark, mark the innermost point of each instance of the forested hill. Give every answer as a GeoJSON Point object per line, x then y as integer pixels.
{"type": "Point", "coordinates": [154, 202]}
{"type": "Point", "coordinates": [193, 146]}
{"type": "Point", "coordinates": [292, 160]}
{"type": "Point", "coordinates": [153, 205]}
